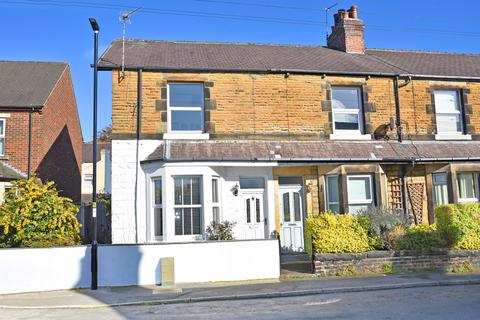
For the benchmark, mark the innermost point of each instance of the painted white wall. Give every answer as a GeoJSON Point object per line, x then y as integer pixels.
{"type": "Point", "coordinates": [123, 265]}
{"type": "Point", "coordinates": [124, 164]}
{"type": "Point", "coordinates": [43, 269]}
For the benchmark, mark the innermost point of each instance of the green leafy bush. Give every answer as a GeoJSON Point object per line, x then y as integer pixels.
{"type": "Point", "coordinates": [420, 238]}
{"type": "Point", "coordinates": [34, 215]}
{"type": "Point", "coordinates": [382, 221]}
{"type": "Point", "coordinates": [459, 225]}
{"type": "Point", "coordinates": [220, 230]}
{"type": "Point", "coordinates": [335, 233]}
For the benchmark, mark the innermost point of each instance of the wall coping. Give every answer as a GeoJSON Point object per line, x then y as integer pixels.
{"type": "Point", "coordinates": [388, 254]}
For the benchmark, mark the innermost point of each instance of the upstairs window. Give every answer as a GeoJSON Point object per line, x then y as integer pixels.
{"type": "Point", "coordinates": [347, 110]}
{"type": "Point", "coordinates": [2, 136]}
{"type": "Point", "coordinates": [185, 107]}
{"type": "Point", "coordinates": [448, 112]}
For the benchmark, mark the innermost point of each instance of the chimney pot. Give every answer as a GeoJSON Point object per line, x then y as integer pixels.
{"type": "Point", "coordinates": [345, 15]}
{"type": "Point", "coordinates": [353, 12]}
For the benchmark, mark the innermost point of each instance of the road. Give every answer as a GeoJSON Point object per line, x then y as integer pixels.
{"type": "Point", "coordinates": [454, 302]}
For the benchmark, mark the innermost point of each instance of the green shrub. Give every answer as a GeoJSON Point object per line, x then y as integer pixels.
{"type": "Point", "coordinates": [382, 221]}
{"type": "Point", "coordinates": [35, 215]}
{"type": "Point", "coordinates": [336, 233]}
{"type": "Point", "coordinates": [459, 225]}
{"type": "Point", "coordinates": [220, 230]}
{"type": "Point", "coordinates": [421, 238]}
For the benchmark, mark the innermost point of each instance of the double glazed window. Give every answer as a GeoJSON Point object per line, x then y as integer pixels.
{"type": "Point", "coordinates": [440, 188]}
{"type": "Point", "coordinates": [216, 199]}
{"type": "Point", "coordinates": [467, 187]}
{"type": "Point", "coordinates": [2, 136]}
{"type": "Point", "coordinates": [448, 112]}
{"type": "Point", "coordinates": [185, 107]}
{"type": "Point", "coordinates": [347, 110]}
{"type": "Point", "coordinates": [359, 191]}
{"type": "Point", "coordinates": [157, 208]}
{"type": "Point", "coordinates": [188, 205]}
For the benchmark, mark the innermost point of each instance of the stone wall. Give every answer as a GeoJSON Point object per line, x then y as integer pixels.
{"type": "Point", "coordinates": [402, 261]}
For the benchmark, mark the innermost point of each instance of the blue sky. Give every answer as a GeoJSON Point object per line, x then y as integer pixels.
{"type": "Point", "coordinates": [50, 30]}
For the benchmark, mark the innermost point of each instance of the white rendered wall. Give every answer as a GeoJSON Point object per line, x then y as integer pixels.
{"type": "Point", "coordinates": [123, 265]}
{"type": "Point", "coordinates": [43, 269]}
{"type": "Point", "coordinates": [124, 162]}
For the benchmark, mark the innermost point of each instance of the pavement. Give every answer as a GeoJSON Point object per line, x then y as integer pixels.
{"type": "Point", "coordinates": [190, 293]}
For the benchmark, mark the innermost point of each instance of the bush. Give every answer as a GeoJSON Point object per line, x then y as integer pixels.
{"type": "Point", "coordinates": [34, 215]}
{"type": "Point", "coordinates": [459, 225]}
{"type": "Point", "coordinates": [420, 238]}
{"type": "Point", "coordinates": [382, 221]}
{"type": "Point", "coordinates": [220, 230]}
{"type": "Point", "coordinates": [335, 233]}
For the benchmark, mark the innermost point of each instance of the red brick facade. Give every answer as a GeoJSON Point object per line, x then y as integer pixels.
{"type": "Point", "coordinates": [56, 139]}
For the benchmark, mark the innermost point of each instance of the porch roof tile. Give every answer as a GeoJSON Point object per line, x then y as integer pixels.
{"type": "Point", "coordinates": [374, 151]}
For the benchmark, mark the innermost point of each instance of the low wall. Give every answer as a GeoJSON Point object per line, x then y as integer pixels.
{"type": "Point", "coordinates": [401, 261]}
{"type": "Point", "coordinates": [43, 269]}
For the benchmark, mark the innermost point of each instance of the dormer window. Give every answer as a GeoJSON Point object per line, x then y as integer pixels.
{"type": "Point", "coordinates": [185, 107]}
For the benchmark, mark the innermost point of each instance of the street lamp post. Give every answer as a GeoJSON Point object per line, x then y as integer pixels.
{"type": "Point", "coordinates": [94, 265]}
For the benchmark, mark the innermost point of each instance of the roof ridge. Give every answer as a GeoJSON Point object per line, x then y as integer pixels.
{"type": "Point", "coordinates": [422, 51]}
{"type": "Point", "coordinates": [35, 61]}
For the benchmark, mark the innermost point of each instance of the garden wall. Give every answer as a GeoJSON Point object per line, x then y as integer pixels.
{"type": "Point", "coordinates": [401, 261]}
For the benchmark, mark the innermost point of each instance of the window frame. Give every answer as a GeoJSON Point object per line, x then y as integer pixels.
{"type": "Point", "coordinates": [3, 136]}
{"type": "Point", "coordinates": [358, 112]}
{"type": "Point", "coordinates": [216, 204]}
{"type": "Point", "coordinates": [434, 184]}
{"type": "Point", "coordinates": [475, 186]}
{"type": "Point", "coordinates": [154, 206]}
{"type": "Point", "coordinates": [328, 177]}
{"type": "Point", "coordinates": [372, 200]}
{"type": "Point", "coordinates": [189, 206]}
{"type": "Point", "coordinates": [173, 108]}
{"type": "Point", "coordinates": [458, 112]}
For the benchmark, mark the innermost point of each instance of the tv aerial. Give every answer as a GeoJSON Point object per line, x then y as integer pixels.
{"type": "Point", "coordinates": [124, 19]}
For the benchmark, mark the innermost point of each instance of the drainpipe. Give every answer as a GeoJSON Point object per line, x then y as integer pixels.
{"type": "Point", "coordinates": [397, 110]}
{"type": "Point", "coordinates": [139, 129]}
{"type": "Point", "coordinates": [29, 169]}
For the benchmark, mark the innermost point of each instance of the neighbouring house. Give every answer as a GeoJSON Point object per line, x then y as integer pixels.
{"type": "Point", "coordinates": [104, 170]}
{"type": "Point", "coordinates": [39, 125]}
{"type": "Point", "coordinates": [266, 135]}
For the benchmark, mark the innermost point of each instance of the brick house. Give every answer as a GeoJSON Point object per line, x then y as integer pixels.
{"type": "Point", "coordinates": [39, 125]}
{"type": "Point", "coordinates": [266, 135]}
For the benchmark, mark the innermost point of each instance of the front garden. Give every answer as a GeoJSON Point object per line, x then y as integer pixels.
{"type": "Point", "coordinates": [381, 240]}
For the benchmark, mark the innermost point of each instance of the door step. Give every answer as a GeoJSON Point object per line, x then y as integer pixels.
{"type": "Point", "coordinates": [296, 262]}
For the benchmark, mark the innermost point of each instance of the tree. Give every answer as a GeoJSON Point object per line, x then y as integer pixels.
{"type": "Point", "coordinates": [35, 215]}
{"type": "Point", "coordinates": [105, 135]}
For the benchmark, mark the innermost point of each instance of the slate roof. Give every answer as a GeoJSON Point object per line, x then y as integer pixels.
{"type": "Point", "coordinates": [8, 172]}
{"type": "Point", "coordinates": [244, 57]}
{"type": "Point", "coordinates": [28, 83]}
{"type": "Point", "coordinates": [87, 151]}
{"type": "Point", "coordinates": [377, 151]}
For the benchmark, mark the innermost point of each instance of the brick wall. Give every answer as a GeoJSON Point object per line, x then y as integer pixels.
{"type": "Point", "coordinates": [402, 261]}
{"type": "Point", "coordinates": [273, 106]}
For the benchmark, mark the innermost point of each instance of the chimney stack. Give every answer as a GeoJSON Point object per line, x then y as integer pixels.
{"type": "Point", "coordinates": [348, 32]}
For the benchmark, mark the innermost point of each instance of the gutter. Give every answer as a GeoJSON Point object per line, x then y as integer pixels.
{"type": "Point", "coordinates": [23, 108]}
{"type": "Point", "coordinates": [295, 71]}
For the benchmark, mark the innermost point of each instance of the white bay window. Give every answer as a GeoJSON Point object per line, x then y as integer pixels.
{"type": "Point", "coordinates": [188, 205]}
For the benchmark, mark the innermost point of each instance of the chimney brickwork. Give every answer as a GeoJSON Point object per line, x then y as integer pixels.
{"type": "Point", "coordinates": [348, 32]}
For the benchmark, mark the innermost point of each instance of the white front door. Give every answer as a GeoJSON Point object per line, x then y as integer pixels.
{"type": "Point", "coordinates": [253, 215]}
{"type": "Point", "coordinates": [291, 221]}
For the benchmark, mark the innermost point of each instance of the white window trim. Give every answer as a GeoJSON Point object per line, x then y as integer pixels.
{"type": "Point", "coordinates": [2, 135]}
{"type": "Point", "coordinates": [475, 185]}
{"type": "Point", "coordinates": [219, 198]}
{"type": "Point", "coordinates": [176, 135]}
{"type": "Point", "coordinates": [156, 206]}
{"type": "Point", "coordinates": [435, 200]}
{"type": "Point", "coordinates": [337, 133]}
{"type": "Point", "coordinates": [191, 206]}
{"type": "Point", "coordinates": [350, 136]}
{"type": "Point", "coordinates": [453, 136]}
{"type": "Point", "coordinates": [449, 134]}
{"type": "Point", "coordinates": [184, 134]}
{"type": "Point", "coordinates": [371, 201]}
{"type": "Point", "coordinates": [328, 192]}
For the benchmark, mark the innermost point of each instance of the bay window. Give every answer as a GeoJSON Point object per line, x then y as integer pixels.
{"type": "Point", "coordinates": [360, 192]}
{"type": "Point", "coordinates": [467, 187]}
{"type": "Point", "coordinates": [188, 205]}
{"type": "Point", "coordinates": [440, 188]}
{"type": "Point", "coordinates": [333, 202]}
{"type": "Point", "coordinates": [347, 113]}
{"type": "Point", "coordinates": [185, 107]}
{"type": "Point", "coordinates": [157, 208]}
{"type": "Point", "coordinates": [2, 136]}
{"type": "Point", "coordinates": [448, 112]}
{"type": "Point", "coordinates": [216, 199]}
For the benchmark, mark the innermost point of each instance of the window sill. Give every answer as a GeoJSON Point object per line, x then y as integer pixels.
{"type": "Point", "coordinates": [452, 136]}
{"type": "Point", "coordinates": [185, 136]}
{"type": "Point", "coordinates": [350, 136]}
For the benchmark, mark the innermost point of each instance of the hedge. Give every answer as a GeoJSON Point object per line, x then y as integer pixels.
{"type": "Point", "coordinates": [459, 225]}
